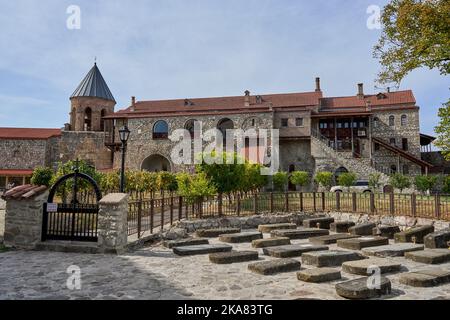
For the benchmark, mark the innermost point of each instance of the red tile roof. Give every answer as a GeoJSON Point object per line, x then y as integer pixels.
{"type": "Point", "coordinates": [389, 98]}
{"type": "Point", "coordinates": [24, 192]}
{"type": "Point", "coordinates": [14, 172]}
{"type": "Point", "coordinates": [28, 133]}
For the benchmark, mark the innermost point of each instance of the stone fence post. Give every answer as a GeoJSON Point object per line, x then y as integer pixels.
{"type": "Point", "coordinates": [112, 223]}
{"type": "Point", "coordinates": [23, 216]}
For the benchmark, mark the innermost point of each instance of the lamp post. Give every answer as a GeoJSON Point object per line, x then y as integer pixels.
{"type": "Point", "coordinates": [124, 134]}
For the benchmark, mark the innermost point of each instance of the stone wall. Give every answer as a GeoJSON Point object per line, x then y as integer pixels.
{"type": "Point", "coordinates": [23, 222]}
{"type": "Point", "coordinates": [23, 154]}
{"type": "Point", "coordinates": [89, 146]}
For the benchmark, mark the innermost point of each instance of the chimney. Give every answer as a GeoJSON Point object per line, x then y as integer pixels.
{"type": "Point", "coordinates": [318, 85]}
{"type": "Point", "coordinates": [247, 98]}
{"type": "Point", "coordinates": [133, 103]}
{"type": "Point", "coordinates": [360, 90]}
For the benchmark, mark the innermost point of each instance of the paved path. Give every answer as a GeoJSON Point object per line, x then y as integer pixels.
{"type": "Point", "coordinates": [156, 273]}
{"type": "Point", "coordinates": [2, 222]}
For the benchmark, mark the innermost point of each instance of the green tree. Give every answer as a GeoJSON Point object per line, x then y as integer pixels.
{"type": "Point", "coordinates": [195, 187]}
{"type": "Point", "coordinates": [299, 178]}
{"type": "Point", "coordinates": [347, 179]}
{"type": "Point", "coordinates": [42, 177]}
{"type": "Point", "coordinates": [253, 180]}
{"type": "Point", "coordinates": [400, 181]}
{"type": "Point", "coordinates": [443, 131]}
{"type": "Point", "coordinates": [280, 180]}
{"type": "Point", "coordinates": [374, 181]}
{"type": "Point", "coordinates": [425, 183]}
{"type": "Point", "coordinates": [416, 34]}
{"type": "Point", "coordinates": [167, 182]}
{"type": "Point", "coordinates": [324, 179]}
{"type": "Point", "coordinates": [446, 185]}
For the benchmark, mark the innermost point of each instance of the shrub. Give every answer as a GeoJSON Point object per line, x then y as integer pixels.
{"type": "Point", "coordinates": [347, 179]}
{"type": "Point", "coordinates": [446, 185]}
{"type": "Point", "coordinates": [195, 187]}
{"type": "Point", "coordinates": [300, 178]}
{"type": "Point", "coordinates": [167, 181]}
{"type": "Point", "coordinates": [42, 177]}
{"type": "Point", "coordinates": [324, 179]}
{"type": "Point", "coordinates": [425, 183]}
{"type": "Point", "coordinates": [400, 181]}
{"type": "Point", "coordinates": [374, 181]}
{"type": "Point", "coordinates": [280, 180]}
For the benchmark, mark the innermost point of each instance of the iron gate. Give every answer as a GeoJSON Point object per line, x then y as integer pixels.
{"type": "Point", "coordinates": [73, 221]}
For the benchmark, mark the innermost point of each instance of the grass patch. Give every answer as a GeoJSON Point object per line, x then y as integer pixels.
{"type": "Point", "coordinates": [3, 248]}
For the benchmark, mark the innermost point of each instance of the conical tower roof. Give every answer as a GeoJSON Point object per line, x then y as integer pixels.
{"type": "Point", "coordinates": [93, 85]}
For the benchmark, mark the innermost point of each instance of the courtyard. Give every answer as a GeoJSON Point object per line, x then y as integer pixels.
{"type": "Point", "coordinates": [156, 273]}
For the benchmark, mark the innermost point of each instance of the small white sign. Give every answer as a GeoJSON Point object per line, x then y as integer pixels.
{"type": "Point", "coordinates": [52, 207]}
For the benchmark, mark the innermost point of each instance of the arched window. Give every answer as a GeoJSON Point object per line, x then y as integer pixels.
{"type": "Point", "coordinates": [88, 119]}
{"type": "Point", "coordinates": [391, 121]}
{"type": "Point", "coordinates": [376, 123]}
{"type": "Point", "coordinates": [102, 121]}
{"type": "Point", "coordinates": [404, 120]}
{"type": "Point", "coordinates": [161, 130]}
{"type": "Point", "coordinates": [393, 169]}
{"type": "Point", "coordinates": [224, 125]}
{"type": "Point", "coordinates": [190, 126]}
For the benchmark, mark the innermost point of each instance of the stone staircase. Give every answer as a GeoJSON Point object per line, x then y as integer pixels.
{"type": "Point", "coordinates": [322, 152]}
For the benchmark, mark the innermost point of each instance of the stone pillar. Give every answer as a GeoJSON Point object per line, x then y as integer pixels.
{"type": "Point", "coordinates": [23, 220]}
{"type": "Point", "coordinates": [112, 223]}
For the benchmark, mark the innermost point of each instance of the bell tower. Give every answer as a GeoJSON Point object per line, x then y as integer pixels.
{"type": "Point", "coordinates": [91, 101]}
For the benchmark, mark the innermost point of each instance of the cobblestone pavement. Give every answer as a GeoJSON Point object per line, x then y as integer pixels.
{"type": "Point", "coordinates": [156, 273]}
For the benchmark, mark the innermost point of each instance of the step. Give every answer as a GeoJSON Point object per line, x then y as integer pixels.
{"type": "Point", "coordinates": [275, 266]}
{"type": "Point", "coordinates": [272, 242]}
{"type": "Point", "coordinates": [291, 251]}
{"type": "Point", "coordinates": [330, 258]}
{"type": "Point", "coordinates": [170, 244]}
{"type": "Point", "coordinates": [319, 275]}
{"type": "Point", "coordinates": [416, 233]}
{"type": "Point", "coordinates": [430, 277]}
{"type": "Point", "coordinates": [240, 237]}
{"type": "Point", "coordinates": [361, 288]}
{"type": "Point", "coordinates": [322, 223]}
{"type": "Point", "coordinates": [365, 229]}
{"type": "Point", "coordinates": [201, 249]}
{"type": "Point", "coordinates": [365, 267]}
{"type": "Point", "coordinates": [213, 233]}
{"type": "Point", "coordinates": [233, 257]}
{"type": "Point", "coordinates": [438, 240]}
{"type": "Point", "coordinates": [392, 250]}
{"type": "Point", "coordinates": [299, 234]}
{"type": "Point", "coordinates": [332, 238]}
{"type": "Point", "coordinates": [341, 226]}
{"type": "Point", "coordinates": [363, 242]}
{"type": "Point", "coordinates": [429, 256]}
{"type": "Point", "coordinates": [386, 231]}
{"type": "Point", "coordinates": [70, 246]}
{"type": "Point", "coordinates": [267, 228]}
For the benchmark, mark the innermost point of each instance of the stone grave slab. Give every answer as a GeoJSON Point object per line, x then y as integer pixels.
{"type": "Point", "coordinates": [386, 231]}
{"type": "Point", "coordinates": [363, 242]}
{"type": "Point", "coordinates": [213, 233]}
{"type": "Point", "coordinates": [299, 234]}
{"type": "Point", "coordinates": [272, 242]}
{"type": "Point", "coordinates": [359, 288]}
{"type": "Point", "coordinates": [429, 256]}
{"type": "Point", "coordinates": [362, 267]}
{"type": "Point", "coordinates": [290, 251]}
{"type": "Point", "coordinates": [332, 258]}
{"type": "Point", "coordinates": [438, 240]}
{"type": "Point", "coordinates": [430, 277]}
{"type": "Point", "coordinates": [275, 266]}
{"type": "Point", "coordinates": [341, 226]}
{"type": "Point", "coordinates": [323, 223]}
{"type": "Point", "coordinates": [332, 238]}
{"type": "Point", "coordinates": [201, 249]}
{"type": "Point", "coordinates": [240, 237]}
{"type": "Point", "coordinates": [392, 250]}
{"type": "Point", "coordinates": [267, 228]}
{"type": "Point", "coordinates": [233, 257]}
{"type": "Point", "coordinates": [184, 242]}
{"type": "Point", "coordinates": [319, 275]}
{"type": "Point", "coordinates": [364, 229]}
{"type": "Point", "coordinates": [418, 233]}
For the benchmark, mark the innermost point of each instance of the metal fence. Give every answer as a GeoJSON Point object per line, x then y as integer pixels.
{"type": "Point", "coordinates": [152, 215]}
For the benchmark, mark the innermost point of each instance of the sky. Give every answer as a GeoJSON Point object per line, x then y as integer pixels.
{"type": "Point", "coordinates": [166, 49]}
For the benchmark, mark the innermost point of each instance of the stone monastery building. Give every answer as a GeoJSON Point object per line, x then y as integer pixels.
{"type": "Point", "coordinates": [361, 133]}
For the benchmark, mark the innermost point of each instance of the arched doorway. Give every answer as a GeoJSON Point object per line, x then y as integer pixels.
{"type": "Point", "coordinates": [156, 163]}
{"type": "Point", "coordinates": [338, 172]}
